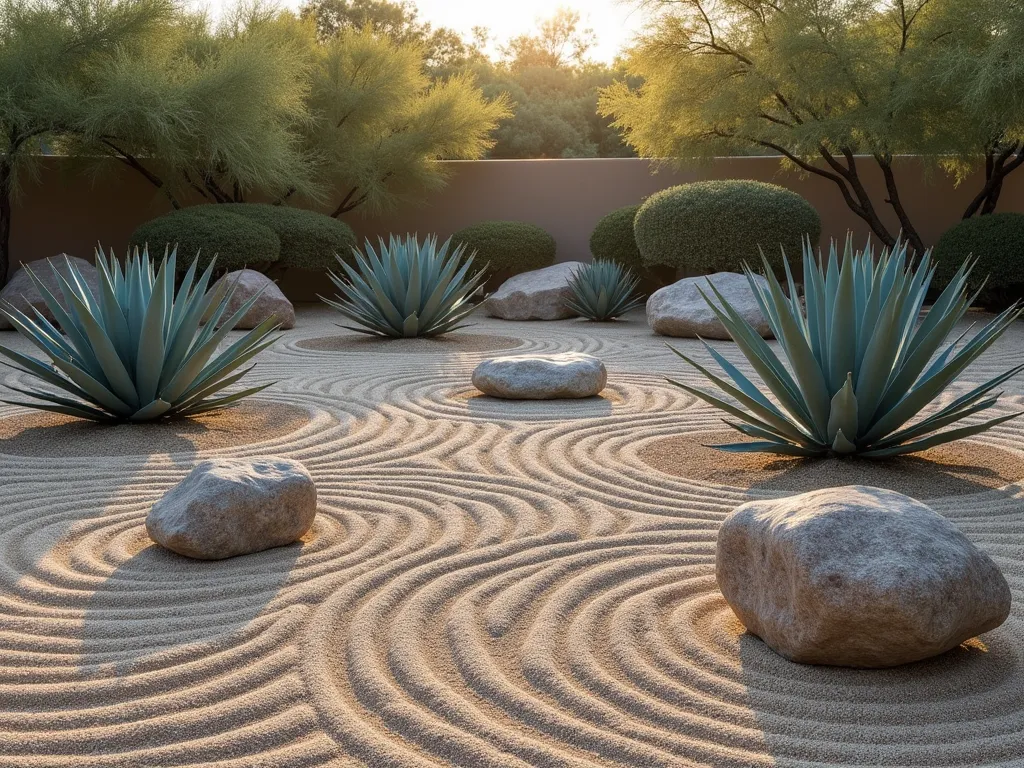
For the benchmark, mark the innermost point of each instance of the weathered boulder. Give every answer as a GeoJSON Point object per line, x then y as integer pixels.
{"type": "Point", "coordinates": [856, 576]}
{"type": "Point", "coordinates": [536, 295]}
{"type": "Point", "coordinates": [229, 507]}
{"type": "Point", "coordinates": [541, 377]}
{"type": "Point", "coordinates": [22, 293]}
{"type": "Point", "coordinates": [271, 302]}
{"type": "Point", "coordinates": [680, 310]}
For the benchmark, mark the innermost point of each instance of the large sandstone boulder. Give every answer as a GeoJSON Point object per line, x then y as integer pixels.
{"type": "Point", "coordinates": [229, 507]}
{"type": "Point", "coordinates": [680, 310]}
{"type": "Point", "coordinates": [536, 295]}
{"type": "Point", "coordinates": [856, 576]}
{"type": "Point", "coordinates": [21, 292]}
{"type": "Point", "coordinates": [541, 377]}
{"type": "Point", "coordinates": [271, 302]}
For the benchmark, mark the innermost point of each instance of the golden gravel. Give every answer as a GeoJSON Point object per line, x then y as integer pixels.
{"type": "Point", "coordinates": [484, 586]}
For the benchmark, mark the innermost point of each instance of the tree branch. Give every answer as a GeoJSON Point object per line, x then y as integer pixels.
{"type": "Point", "coordinates": [134, 164]}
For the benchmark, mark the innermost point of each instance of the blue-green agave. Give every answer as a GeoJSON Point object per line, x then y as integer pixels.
{"type": "Point", "coordinates": [408, 289]}
{"type": "Point", "coordinates": [136, 352]}
{"type": "Point", "coordinates": [603, 290]}
{"type": "Point", "coordinates": [860, 364]}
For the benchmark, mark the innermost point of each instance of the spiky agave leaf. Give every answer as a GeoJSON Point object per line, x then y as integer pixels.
{"type": "Point", "coordinates": [603, 290]}
{"type": "Point", "coordinates": [859, 366]}
{"type": "Point", "coordinates": [136, 351]}
{"type": "Point", "coordinates": [407, 289]}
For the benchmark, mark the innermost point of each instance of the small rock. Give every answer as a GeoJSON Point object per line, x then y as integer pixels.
{"type": "Point", "coordinates": [856, 576]}
{"type": "Point", "coordinates": [271, 302]}
{"type": "Point", "coordinates": [541, 377]}
{"type": "Point", "coordinates": [229, 507]}
{"type": "Point", "coordinates": [21, 292]}
{"type": "Point", "coordinates": [536, 295]}
{"type": "Point", "coordinates": [680, 310]}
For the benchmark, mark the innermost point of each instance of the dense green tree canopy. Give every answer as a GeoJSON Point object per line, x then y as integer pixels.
{"type": "Point", "coordinates": [822, 82]}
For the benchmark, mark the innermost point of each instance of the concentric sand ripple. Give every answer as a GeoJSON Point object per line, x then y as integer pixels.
{"type": "Point", "coordinates": [488, 583]}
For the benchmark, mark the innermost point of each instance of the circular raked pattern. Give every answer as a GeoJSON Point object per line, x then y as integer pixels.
{"type": "Point", "coordinates": [483, 586]}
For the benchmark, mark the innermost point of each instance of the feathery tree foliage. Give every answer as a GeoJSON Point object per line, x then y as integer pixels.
{"type": "Point", "coordinates": [209, 112]}
{"type": "Point", "coordinates": [260, 106]}
{"type": "Point", "coordinates": [46, 50]}
{"type": "Point", "coordinates": [444, 49]}
{"type": "Point", "coordinates": [822, 82]}
{"type": "Point", "coordinates": [377, 123]}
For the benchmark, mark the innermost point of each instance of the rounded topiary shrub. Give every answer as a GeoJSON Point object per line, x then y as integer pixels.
{"type": "Point", "coordinates": [997, 242]}
{"type": "Point", "coordinates": [613, 238]}
{"type": "Point", "coordinates": [716, 226]}
{"type": "Point", "coordinates": [508, 246]}
{"type": "Point", "coordinates": [208, 230]}
{"type": "Point", "coordinates": [309, 239]}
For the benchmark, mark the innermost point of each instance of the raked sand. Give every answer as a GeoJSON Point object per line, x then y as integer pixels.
{"type": "Point", "coordinates": [488, 584]}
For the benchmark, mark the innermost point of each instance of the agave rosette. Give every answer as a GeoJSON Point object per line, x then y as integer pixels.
{"type": "Point", "coordinates": [860, 367]}
{"type": "Point", "coordinates": [407, 289]}
{"type": "Point", "coordinates": [137, 351]}
{"type": "Point", "coordinates": [603, 290]}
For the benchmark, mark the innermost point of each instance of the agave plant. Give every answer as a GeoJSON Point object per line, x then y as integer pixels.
{"type": "Point", "coordinates": [603, 290]}
{"type": "Point", "coordinates": [136, 351]}
{"type": "Point", "coordinates": [407, 289]}
{"type": "Point", "coordinates": [860, 365]}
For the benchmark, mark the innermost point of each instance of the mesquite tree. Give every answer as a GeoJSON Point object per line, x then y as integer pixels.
{"type": "Point", "coordinates": [831, 85]}
{"type": "Point", "coordinates": [259, 105]}
{"type": "Point", "coordinates": [46, 49]}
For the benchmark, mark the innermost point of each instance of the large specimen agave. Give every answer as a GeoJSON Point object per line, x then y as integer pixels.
{"type": "Point", "coordinates": [136, 351]}
{"type": "Point", "coordinates": [860, 365]}
{"type": "Point", "coordinates": [408, 289]}
{"type": "Point", "coordinates": [603, 290]}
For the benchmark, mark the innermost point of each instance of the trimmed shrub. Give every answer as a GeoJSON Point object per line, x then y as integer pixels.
{"type": "Point", "coordinates": [309, 240]}
{"type": "Point", "coordinates": [613, 238]}
{"type": "Point", "coordinates": [716, 226]}
{"type": "Point", "coordinates": [508, 246]}
{"type": "Point", "coordinates": [251, 235]}
{"type": "Point", "coordinates": [237, 242]}
{"type": "Point", "coordinates": [997, 242]}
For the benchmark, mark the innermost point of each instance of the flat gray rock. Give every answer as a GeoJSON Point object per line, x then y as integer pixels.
{"type": "Point", "coordinates": [541, 377]}
{"type": "Point", "coordinates": [680, 310]}
{"type": "Point", "coordinates": [229, 507]}
{"type": "Point", "coordinates": [21, 292]}
{"type": "Point", "coordinates": [271, 302]}
{"type": "Point", "coordinates": [536, 295]}
{"type": "Point", "coordinates": [856, 576]}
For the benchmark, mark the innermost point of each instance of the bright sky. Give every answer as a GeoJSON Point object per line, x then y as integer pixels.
{"type": "Point", "coordinates": [613, 21]}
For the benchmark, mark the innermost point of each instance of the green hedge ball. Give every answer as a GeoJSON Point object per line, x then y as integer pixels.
{"type": "Point", "coordinates": [613, 238]}
{"type": "Point", "coordinates": [508, 246]}
{"type": "Point", "coordinates": [997, 242]}
{"type": "Point", "coordinates": [251, 235]}
{"type": "Point", "coordinates": [717, 226]}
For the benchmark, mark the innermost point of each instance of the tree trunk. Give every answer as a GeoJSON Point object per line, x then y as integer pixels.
{"type": "Point", "coordinates": [5, 219]}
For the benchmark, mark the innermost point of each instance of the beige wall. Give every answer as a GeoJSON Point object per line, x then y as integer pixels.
{"type": "Point", "coordinates": [68, 212]}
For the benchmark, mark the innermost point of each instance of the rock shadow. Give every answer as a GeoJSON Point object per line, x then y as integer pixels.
{"type": "Point", "coordinates": [964, 707]}
{"type": "Point", "coordinates": [159, 608]}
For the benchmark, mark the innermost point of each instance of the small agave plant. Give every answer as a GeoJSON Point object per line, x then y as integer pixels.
{"type": "Point", "coordinates": [603, 290]}
{"type": "Point", "coordinates": [136, 351]}
{"type": "Point", "coordinates": [859, 365]}
{"type": "Point", "coordinates": [407, 289]}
